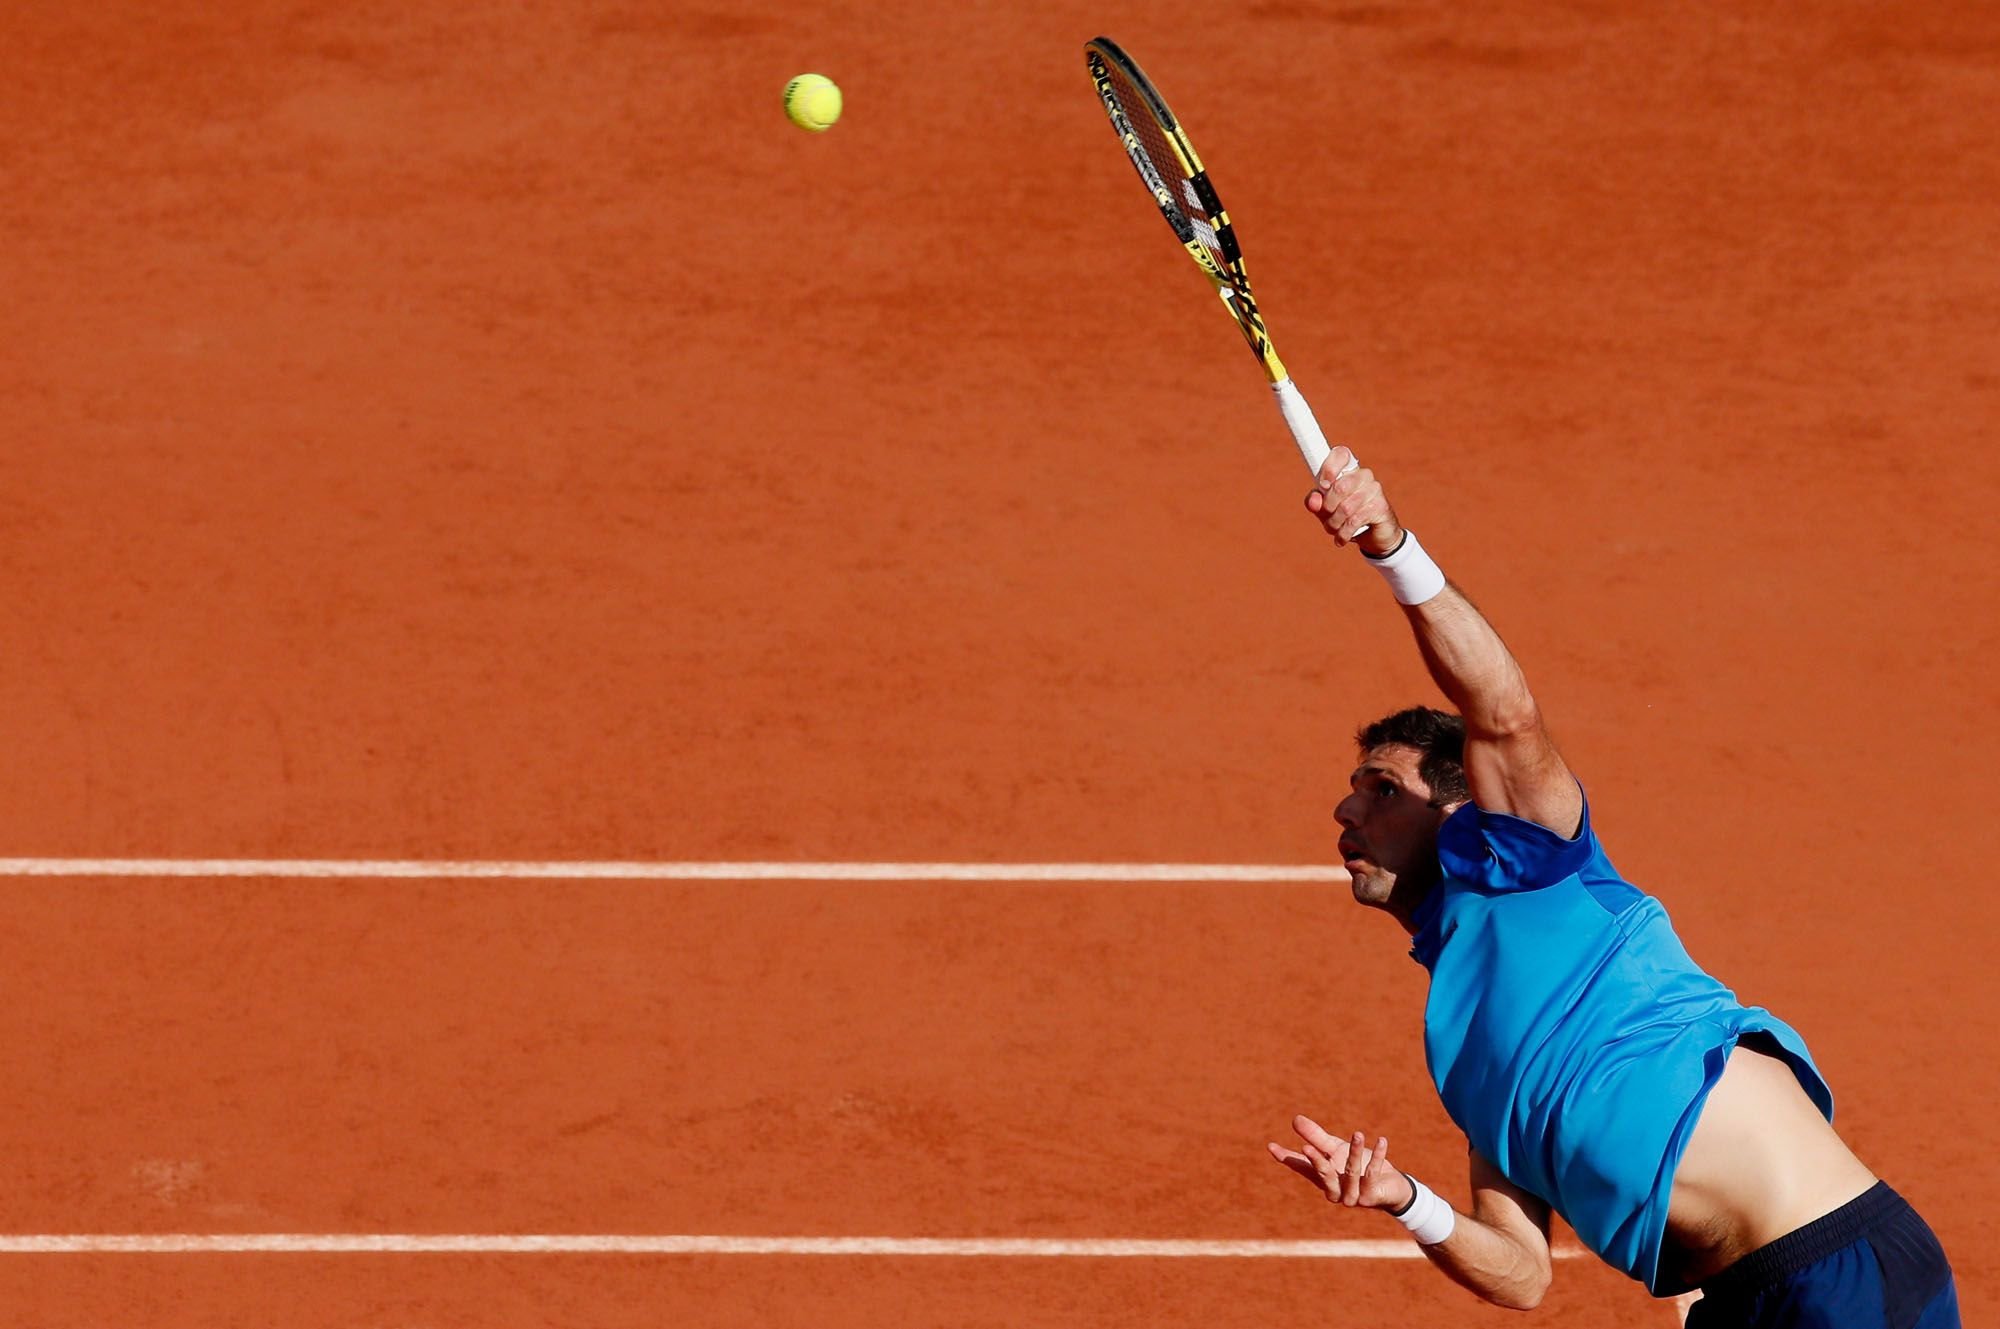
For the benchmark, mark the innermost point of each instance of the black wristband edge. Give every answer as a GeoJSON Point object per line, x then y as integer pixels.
{"type": "Point", "coordinates": [1377, 558]}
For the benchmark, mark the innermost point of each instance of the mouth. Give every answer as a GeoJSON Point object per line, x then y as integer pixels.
{"type": "Point", "coordinates": [1352, 855]}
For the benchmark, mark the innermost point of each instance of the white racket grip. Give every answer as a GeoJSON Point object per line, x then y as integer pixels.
{"type": "Point", "coordinates": [1305, 429]}
{"type": "Point", "coordinates": [1299, 419]}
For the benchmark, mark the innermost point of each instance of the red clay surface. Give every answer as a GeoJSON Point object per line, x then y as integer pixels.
{"type": "Point", "coordinates": [491, 431]}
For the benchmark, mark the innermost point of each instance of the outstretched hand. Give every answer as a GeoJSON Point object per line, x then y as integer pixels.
{"type": "Point", "coordinates": [1351, 507]}
{"type": "Point", "coordinates": [1349, 1171]}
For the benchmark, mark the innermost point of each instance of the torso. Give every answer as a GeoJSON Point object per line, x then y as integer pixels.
{"type": "Point", "coordinates": [1762, 1162]}
{"type": "Point", "coordinates": [1586, 1055]}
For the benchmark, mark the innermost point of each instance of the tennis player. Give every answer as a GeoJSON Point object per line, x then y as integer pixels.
{"type": "Point", "coordinates": [1595, 1069]}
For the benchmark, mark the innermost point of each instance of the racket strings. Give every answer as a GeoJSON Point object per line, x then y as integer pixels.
{"type": "Point", "coordinates": [1168, 178]}
{"type": "Point", "coordinates": [1205, 230]}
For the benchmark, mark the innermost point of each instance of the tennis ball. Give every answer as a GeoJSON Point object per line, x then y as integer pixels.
{"type": "Point", "coordinates": [812, 102]}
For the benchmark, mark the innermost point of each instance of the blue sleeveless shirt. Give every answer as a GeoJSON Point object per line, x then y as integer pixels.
{"type": "Point", "coordinates": [1569, 1034]}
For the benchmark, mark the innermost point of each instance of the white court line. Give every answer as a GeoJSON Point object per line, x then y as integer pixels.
{"type": "Point", "coordinates": [375, 1243]}
{"type": "Point", "coordinates": [359, 869]}
{"type": "Point", "coordinates": [260, 1243]}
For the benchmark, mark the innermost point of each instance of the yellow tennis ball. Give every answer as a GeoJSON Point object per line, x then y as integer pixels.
{"type": "Point", "coordinates": [812, 102]}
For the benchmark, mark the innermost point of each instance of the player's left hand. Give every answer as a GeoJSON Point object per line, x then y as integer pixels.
{"type": "Point", "coordinates": [1349, 1172]}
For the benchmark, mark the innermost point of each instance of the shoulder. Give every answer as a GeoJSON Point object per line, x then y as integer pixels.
{"type": "Point", "coordinates": [1501, 851]}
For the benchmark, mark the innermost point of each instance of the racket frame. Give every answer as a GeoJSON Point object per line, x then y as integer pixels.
{"type": "Point", "coordinates": [1231, 281]}
{"type": "Point", "coordinates": [1227, 275]}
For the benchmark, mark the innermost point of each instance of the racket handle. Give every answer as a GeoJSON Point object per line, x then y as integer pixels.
{"type": "Point", "coordinates": [1299, 419]}
{"type": "Point", "coordinates": [1305, 429]}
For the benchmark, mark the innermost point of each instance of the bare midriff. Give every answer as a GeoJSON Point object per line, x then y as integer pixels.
{"type": "Point", "coordinates": [1762, 1162]}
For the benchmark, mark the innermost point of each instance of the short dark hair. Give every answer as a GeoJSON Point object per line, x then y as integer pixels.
{"type": "Point", "coordinates": [1438, 735]}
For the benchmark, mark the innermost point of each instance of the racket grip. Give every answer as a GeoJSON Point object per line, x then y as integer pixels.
{"type": "Point", "coordinates": [1299, 419]}
{"type": "Point", "coordinates": [1305, 428]}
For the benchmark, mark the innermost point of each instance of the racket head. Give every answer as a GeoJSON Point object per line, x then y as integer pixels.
{"type": "Point", "coordinates": [1174, 176]}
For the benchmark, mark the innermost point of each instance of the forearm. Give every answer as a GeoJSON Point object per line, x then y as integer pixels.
{"type": "Point", "coordinates": [1471, 665]}
{"type": "Point", "coordinates": [1489, 1262]}
{"type": "Point", "coordinates": [1502, 1255]}
{"type": "Point", "coordinates": [1467, 659]}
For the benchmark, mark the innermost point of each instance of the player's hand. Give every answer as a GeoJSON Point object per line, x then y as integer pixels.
{"type": "Point", "coordinates": [1345, 503]}
{"type": "Point", "coordinates": [1349, 1172]}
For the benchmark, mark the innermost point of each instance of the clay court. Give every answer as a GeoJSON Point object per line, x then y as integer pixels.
{"type": "Point", "coordinates": [490, 434]}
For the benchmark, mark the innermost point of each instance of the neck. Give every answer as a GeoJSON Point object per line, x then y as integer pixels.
{"type": "Point", "coordinates": [1404, 901]}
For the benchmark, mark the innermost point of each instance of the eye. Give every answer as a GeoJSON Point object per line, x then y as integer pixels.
{"type": "Point", "coordinates": [1384, 789]}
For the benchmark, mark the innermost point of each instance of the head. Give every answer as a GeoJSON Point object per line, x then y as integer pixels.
{"type": "Point", "coordinates": [1410, 778]}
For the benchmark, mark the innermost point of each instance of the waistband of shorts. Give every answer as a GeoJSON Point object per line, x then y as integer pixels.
{"type": "Point", "coordinates": [1810, 1244]}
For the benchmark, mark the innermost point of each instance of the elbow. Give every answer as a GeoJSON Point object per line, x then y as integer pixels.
{"type": "Point", "coordinates": [1527, 1293]}
{"type": "Point", "coordinates": [1522, 1283]}
{"type": "Point", "coordinates": [1509, 718]}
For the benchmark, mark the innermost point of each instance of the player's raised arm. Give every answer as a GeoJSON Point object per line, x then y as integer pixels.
{"type": "Point", "coordinates": [1511, 765]}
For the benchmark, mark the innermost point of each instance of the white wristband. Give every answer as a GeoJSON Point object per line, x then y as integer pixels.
{"type": "Point", "coordinates": [1413, 578]}
{"type": "Point", "coordinates": [1429, 1219]}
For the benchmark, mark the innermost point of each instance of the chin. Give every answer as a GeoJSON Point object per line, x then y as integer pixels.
{"type": "Point", "coordinates": [1369, 888]}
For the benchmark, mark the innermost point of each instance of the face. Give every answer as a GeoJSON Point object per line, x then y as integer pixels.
{"type": "Point", "coordinates": [1389, 830]}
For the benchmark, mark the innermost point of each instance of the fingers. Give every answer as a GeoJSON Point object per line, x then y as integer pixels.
{"type": "Point", "coordinates": [1338, 463]}
{"type": "Point", "coordinates": [1325, 1171]}
{"type": "Point", "coordinates": [1323, 1159]}
{"type": "Point", "coordinates": [1338, 1165]}
{"type": "Point", "coordinates": [1345, 502]}
{"type": "Point", "coordinates": [1384, 1189]}
{"type": "Point", "coordinates": [1312, 1166]}
{"type": "Point", "coordinates": [1298, 1163]}
{"type": "Point", "coordinates": [1315, 1135]}
{"type": "Point", "coordinates": [1358, 514]}
{"type": "Point", "coordinates": [1350, 1172]}
{"type": "Point", "coordinates": [1342, 519]}
{"type": "Point", "coordinates": [1359, 1155]}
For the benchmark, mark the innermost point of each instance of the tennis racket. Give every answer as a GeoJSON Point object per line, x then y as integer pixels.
{"type": "Point", "coordinates": [1174, 176]}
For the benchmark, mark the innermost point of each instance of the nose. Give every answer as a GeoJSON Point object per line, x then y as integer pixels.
{"type": "Point", "coordinates": [1348, 811]}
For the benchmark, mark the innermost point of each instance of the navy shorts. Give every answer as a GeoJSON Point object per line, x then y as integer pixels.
{"type": "Point", "coordinates": [1873, 1263]}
